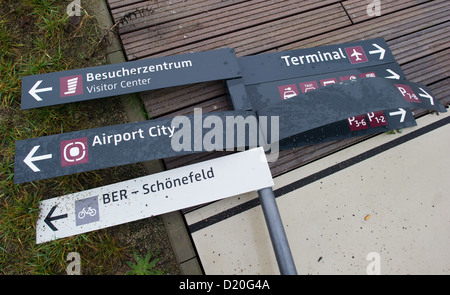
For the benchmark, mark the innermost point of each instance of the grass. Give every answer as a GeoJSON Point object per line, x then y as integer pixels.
{"type": "Point", "coordinates": [143, 266]}
{"type": "Point", "coordinates": [37, 36]}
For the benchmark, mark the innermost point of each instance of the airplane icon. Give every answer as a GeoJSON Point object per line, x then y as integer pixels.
{"type": "Point", "coordinates": [357, 54]}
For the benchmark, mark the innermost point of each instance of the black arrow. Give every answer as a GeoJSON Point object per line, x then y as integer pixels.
{"type": "Point", "coordinates": [48, 220]}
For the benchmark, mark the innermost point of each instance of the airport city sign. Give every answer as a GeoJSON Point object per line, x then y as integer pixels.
{"type": "Point", "coordinates": [92, 149]}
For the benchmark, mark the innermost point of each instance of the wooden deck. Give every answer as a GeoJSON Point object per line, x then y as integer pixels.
{"type": "Point", "coordinates": [416, 31]}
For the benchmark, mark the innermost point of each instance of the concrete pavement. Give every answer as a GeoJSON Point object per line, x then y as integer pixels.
{"type": "Point", "coordinates": [380, 206]}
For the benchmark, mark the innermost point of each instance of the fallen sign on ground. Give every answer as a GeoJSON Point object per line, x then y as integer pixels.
{"type": "Point", "coordinates": [151, 195]}
{"type": "Point", "coordinates": [104, 147]}
{"type": "Point", "coordinates": [92, 149]}
{"type": "Point", "coordinates": [346, 100]}
{"type": "Point", "coordinates": [264, 94]}
{"type": "Point", "coordinates": [296, 63]}
{"type": "Point", "coordinates": [128, 77]}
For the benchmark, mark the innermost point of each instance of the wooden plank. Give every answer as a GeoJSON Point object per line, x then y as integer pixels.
{"type": "Point", "coordinates": [204, 19]}
{"type": "Point", "coordinates": [253, 39]}
{"type": "Point", "coordinates": [167, 11]}
{"type": "Point", "coordinates": [429, 69]}
{"type": "Point", "coordinates": [114, 4]}
{"type": "Point", "coordinates": [165, 101]}
{"type": "Point", "coordinates": [420, 43]}
{"type": "Point", "coordinates": [389, 27]}
{"type": "Point", "coordinates": [357, 9]}
{"type": "Point", "coordinates": [213, 23]}
{"type": "Point", "coordinates": [217, 104]}
{"type": "Point", "coordinates": [441, 90]}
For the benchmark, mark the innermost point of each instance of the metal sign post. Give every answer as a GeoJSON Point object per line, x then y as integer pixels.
{"type": "Point", "coordinates": [277, 234]}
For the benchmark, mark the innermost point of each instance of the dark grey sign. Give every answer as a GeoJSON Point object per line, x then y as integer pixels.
{"type": "Point", "coordinates": [136, 76]}
{"type": "Point", "coordinates": [348, 100]}
{"type": "Point", "coordinates": [365, 124]}
{"type": "Point", "coordinates": [313, 61]}
{"type": "Point", "coordinates": [260, 95]}
{"type": "Point", "coordinates": [267, 81]}
{"type": "Point", "coordinates": [92, 149]}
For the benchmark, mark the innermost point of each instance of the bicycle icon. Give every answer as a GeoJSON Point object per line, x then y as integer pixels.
{"type": "Point", "coordinates": [90, 211]}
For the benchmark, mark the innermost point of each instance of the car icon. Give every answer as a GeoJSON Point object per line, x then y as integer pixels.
{"type": "Point", "coordinates": [288, 93]}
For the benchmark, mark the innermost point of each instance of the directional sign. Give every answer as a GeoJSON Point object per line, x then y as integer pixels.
{"type": "Point", "coordinates": [152, 195]}
{"type": "Point", "coordinates": [257, 96]}
{"type": "Point", "coordinates": [314, 61]}
{"type": "Point", "coordinates": [306, 70]}
{"type": "Point", "coordinates": [346, 101]}
{"type": "Point", "coordinates": [136, 76]}
{"type": "Point", "coordinates": [360, 125]}
{"type": "Point", "coordinates": [86, 150]}
{"type": "Point", "coordinates": [261, 95]}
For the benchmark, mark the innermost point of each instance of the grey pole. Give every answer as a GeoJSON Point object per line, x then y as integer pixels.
{"type": "Point", "coordinates": [276, 231]}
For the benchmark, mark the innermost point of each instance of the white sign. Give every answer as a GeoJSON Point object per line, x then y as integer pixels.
{"type": "Point", "coordinates": [153, 195]}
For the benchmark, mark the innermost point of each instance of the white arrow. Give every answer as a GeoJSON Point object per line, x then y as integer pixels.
{"type": "Point", "coordinates": [394, 75]}
{"type": "Point", "coordinates": [34, 91]}
{"type": "Point", "coordinates": [400, 112]}
{"type": "Point", "coordinates": [29, 159]}
{"type": "Point", "coordinates": [426, 95]}
{"type": "Point", "coordinates": [380, 50]}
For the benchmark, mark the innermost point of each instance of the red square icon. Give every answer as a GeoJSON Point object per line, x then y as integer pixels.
{"type": "Point", "coordinates": [357, 123]}
{"type": "Point", "coordinates": [367, 75]}
{"type": "Point", "coordinates": [308, 86]}
{"type": "Point", "coordinates": [346, 78]}
{"type": "Point", "coordinates": [72, 85]}
{"type": "Point", "coordinates": [74, 152]}
{"type": "Point", "coordinates": [330, 81]}
{"type": "Point", "coordinates": [408, 93]}
{"type": "Point", "coordinates": [356, 54]}
{"type": "Point", "coordinates": [377, 119]}
{"type": "Point", "coordinates": [288, 91]}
